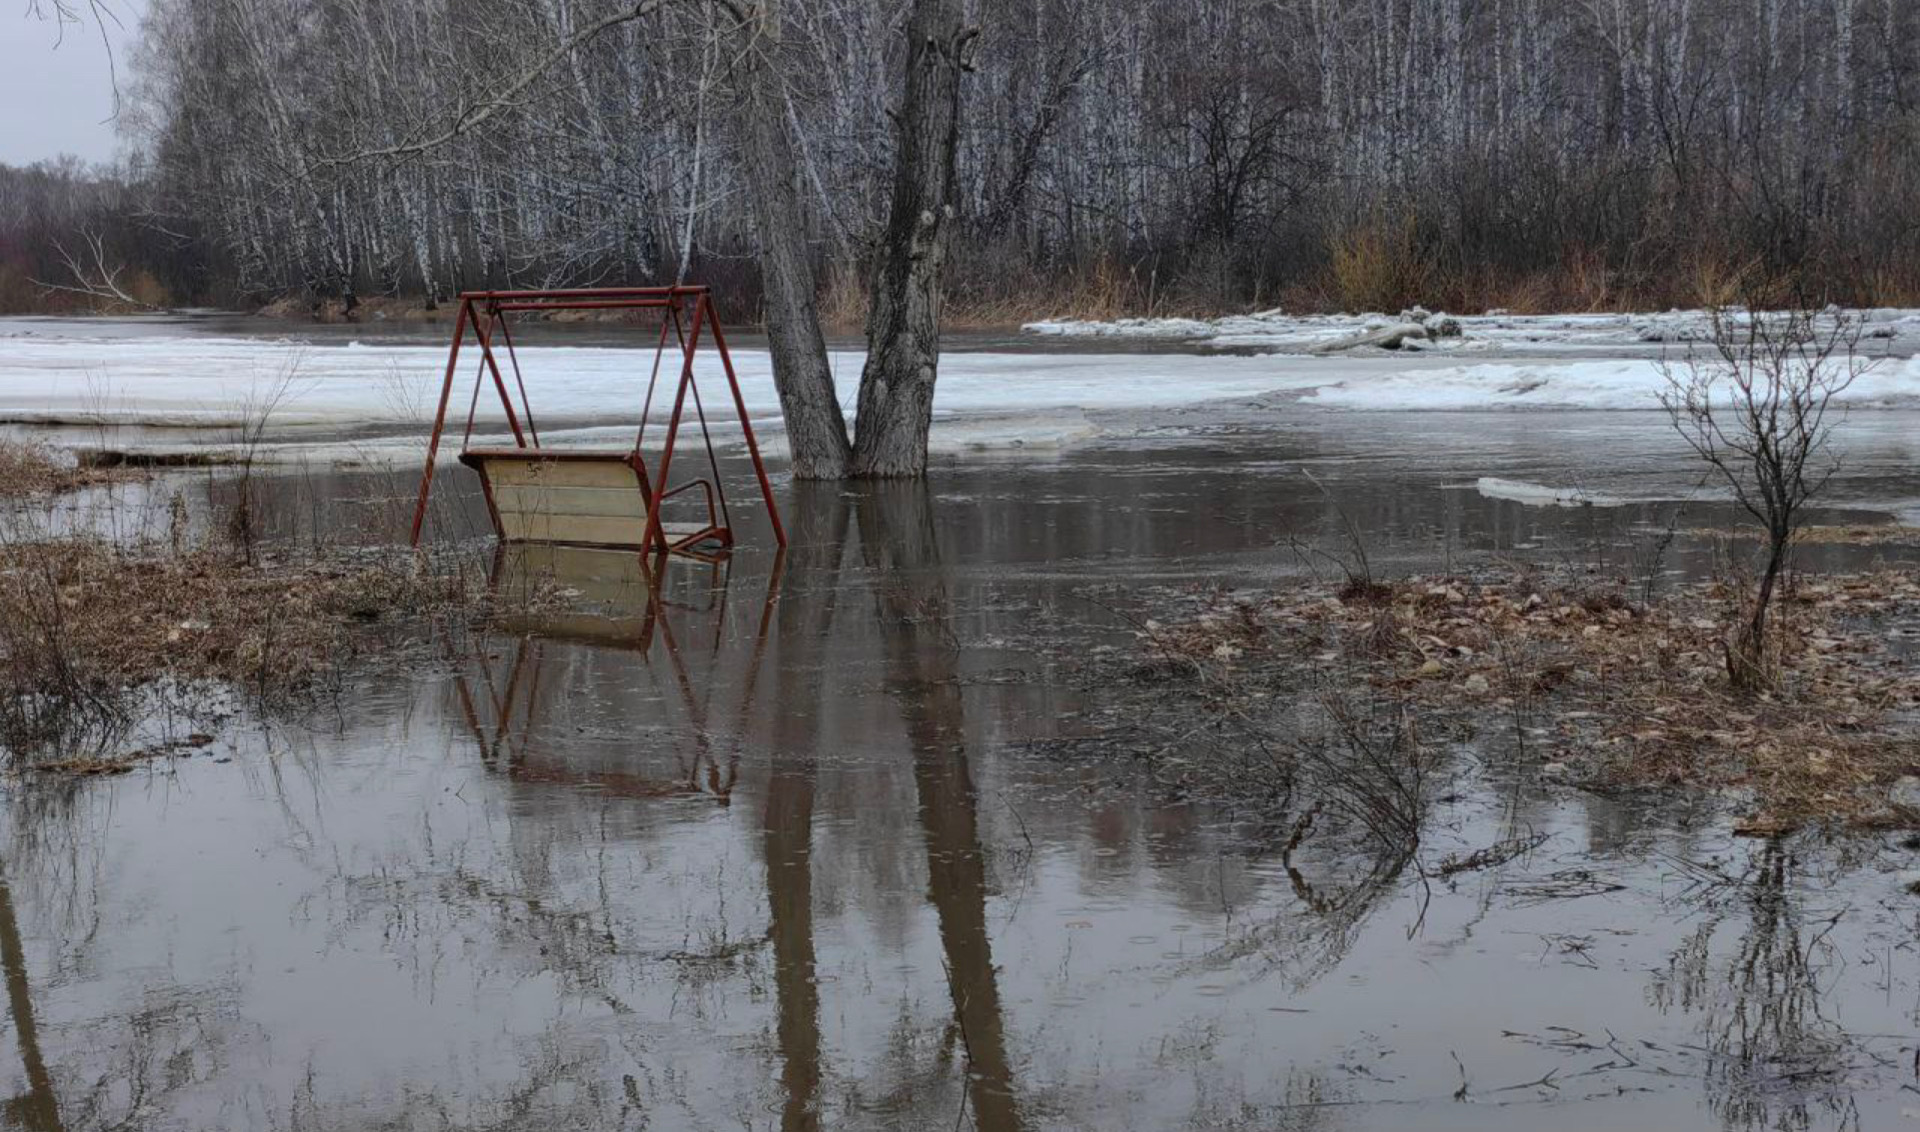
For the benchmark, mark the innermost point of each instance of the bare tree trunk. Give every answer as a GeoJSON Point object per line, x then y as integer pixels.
{"type": "Point", "coordinates": [903, 330]}
{"type": "Point", "coordinates": [816, 430]}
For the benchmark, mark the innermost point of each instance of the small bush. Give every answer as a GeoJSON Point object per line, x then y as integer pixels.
{"type": "Point", "coordinates": [1377, 264]}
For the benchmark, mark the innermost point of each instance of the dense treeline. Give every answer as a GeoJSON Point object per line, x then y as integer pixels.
{"type": "Point", "coordinates": [1115, 155]}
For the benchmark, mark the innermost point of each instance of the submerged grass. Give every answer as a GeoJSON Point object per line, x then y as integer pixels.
{"type": "Point", "coordinates": [1609, 693]}
{"type": "Point", "coordinates": [138, 636]}
{"type": "Point", "coordinates": [98, 640]}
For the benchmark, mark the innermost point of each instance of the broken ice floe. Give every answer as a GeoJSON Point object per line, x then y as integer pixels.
{"type": "Point", "coordinates": [1542, 495]}
{"type": "Point", "coordinates": [1894, 329]}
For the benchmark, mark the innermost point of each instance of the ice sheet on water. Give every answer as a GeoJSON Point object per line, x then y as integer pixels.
{"type": "Point", "coordinates": [335, 394]}
{"type": "Point", "coordinates": [1629, 384]}
{"type": "Point", "coordinates": [211, 382]}
{"type": "Point", "coordinates": [1542, 495]}
{"type": "Point", "coordinates": [1270, 330]}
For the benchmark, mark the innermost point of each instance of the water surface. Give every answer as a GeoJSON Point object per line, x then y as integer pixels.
{"type": "Point", "coordinates": [816, 841]}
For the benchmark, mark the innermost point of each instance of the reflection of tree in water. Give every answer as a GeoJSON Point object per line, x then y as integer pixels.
{"type": "Point", "coordinates": [803, 624]}
{"type": "Point", "coordinates": [788, 837]}
{"type": "Point", "coordinates": [1337, 792]}
{"type": "Point", "coordinates": [1337, 894]}
{"type": "Point", "coordinates": [87, 1073]}
{"type": "Point", "coordinates": [37, 1109]}
{"type": "Point", "coordinates": [1774, 1060]}
{"type": "Point", "coordinates": [900, 548]}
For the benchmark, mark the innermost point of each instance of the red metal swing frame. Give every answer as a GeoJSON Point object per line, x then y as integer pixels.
{"type": "Point", "coordinates": [686, 311]}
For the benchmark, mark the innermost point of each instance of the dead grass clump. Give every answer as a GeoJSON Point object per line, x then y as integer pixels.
{"type": "Point", "coordinates": [843, 300]}
{"type": "Point", "coordinates": [30, 469]}
{"type": "Point", "coordinates": [1618, 694]}
{"type": "Point", "coordinates": [97, 640]}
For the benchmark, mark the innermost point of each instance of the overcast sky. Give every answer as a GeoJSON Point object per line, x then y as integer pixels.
{"type": "Point", "coordinates": [56, 100]}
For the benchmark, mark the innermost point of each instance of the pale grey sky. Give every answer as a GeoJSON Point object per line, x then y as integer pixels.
{"type": "Point", "coordinates": [56, 100]}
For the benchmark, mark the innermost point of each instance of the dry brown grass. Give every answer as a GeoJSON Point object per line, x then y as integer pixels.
{"type": "Point", "coordinates": [843, 300]}
{"type": "Point", "coordinates": [96, 639]}
{"type": "Point", "coordinates": [1099, 291]}
{"type": "Point", "coordinates": [1620, 695]}
{"type": "Point", "coordinates": [29, 469]}
{"type": "Point", "coordinates": [1850, 534]}
{"type": "Point", "coordinates": [1378, 264]}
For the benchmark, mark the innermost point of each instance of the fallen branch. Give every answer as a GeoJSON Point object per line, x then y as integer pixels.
{"type": "Point", "coordinates": [99, 281]}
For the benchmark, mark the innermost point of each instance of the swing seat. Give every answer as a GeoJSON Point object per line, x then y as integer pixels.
{"type": "Point", "coordinates": [596, 497]}
{"type": "Point", "coordinates": [582, 497]}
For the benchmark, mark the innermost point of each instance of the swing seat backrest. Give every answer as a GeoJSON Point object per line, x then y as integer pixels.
{"type": "Point", "coordinates": [569, 496]}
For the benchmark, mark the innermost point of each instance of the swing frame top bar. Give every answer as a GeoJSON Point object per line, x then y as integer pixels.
{"type": "Point", "coordinates": [687, 311]}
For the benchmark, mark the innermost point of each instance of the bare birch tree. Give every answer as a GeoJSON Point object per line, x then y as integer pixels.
{"type": "Point", "coordinates": [1115, 156]}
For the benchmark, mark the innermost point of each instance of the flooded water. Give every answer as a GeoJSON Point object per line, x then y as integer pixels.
{"type": "Point", "coordinates": [802, 842]}
{"type": "Point", "coordinates": [818, 840]}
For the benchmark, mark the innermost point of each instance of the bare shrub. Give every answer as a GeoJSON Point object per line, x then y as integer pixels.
{"type": "Point", "coordinates": [1350, 555]}
{"type": "Point", "coordinates": [1377, 264]}
{"type": "Point", "coordinates": [29, 468]}
{"type": "Point", "coordinates": [243, 519]}
{"type": "Point", "coordinates": [1758, 412]}
{"type": "Point", "coordinates": [1369, 766]}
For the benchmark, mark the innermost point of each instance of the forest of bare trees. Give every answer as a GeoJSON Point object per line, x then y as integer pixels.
{"type": "Point", "coordinates": [1114, 156]}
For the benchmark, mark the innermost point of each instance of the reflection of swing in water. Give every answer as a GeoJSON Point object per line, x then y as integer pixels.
{"type": "Point", "coordinates": [622, 607]}
{"type": "Point", "coordinates": [594, 497]}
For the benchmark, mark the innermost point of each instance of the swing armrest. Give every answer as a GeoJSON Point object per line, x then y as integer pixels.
{"type": "Point", "coordinates": [701, 483]}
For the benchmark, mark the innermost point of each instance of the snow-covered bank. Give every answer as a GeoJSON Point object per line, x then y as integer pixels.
{"type": "Point", "coordinates": [1892, 330]}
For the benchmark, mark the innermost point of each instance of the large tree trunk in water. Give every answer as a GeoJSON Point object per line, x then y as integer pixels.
{"type": "Point", "coordinates": [903, 330]}
{"type": "Point", "coordinates": [816, 429]}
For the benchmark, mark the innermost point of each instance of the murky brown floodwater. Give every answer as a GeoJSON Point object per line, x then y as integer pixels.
{"type": "Point", "coordinates": [792, 844]}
